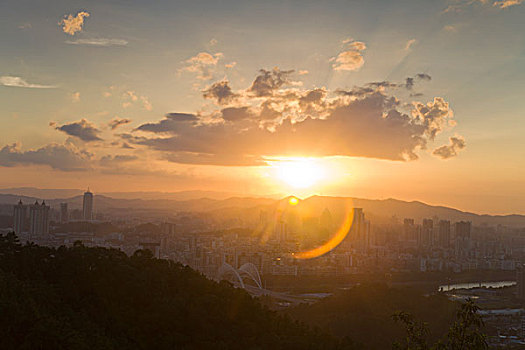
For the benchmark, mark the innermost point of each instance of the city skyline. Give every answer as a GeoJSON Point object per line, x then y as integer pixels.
{"type": "Point", "coordinates": [413, 101]}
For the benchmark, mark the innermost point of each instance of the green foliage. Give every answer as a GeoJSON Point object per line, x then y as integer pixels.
{"type": "Point", "coordinates": [97, 298]}
{"type": "Point", "coordinates": [464, 334]}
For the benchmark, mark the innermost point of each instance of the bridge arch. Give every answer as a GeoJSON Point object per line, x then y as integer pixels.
{"type": "Point", "coordinates": [251, 271]}
{"type": "Point", "coordinates": [226, 269]}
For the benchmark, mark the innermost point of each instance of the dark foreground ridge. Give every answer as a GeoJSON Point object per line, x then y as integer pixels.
{"type": "Point", "coordinates": [97, 298]}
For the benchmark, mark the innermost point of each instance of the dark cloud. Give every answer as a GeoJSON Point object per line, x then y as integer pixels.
{"type": "Point", "coordinates": [457, 143]}
{"type": "Point", "coordinates": [270, 80]}
{"type": "Point", "coordinates": [110, 160]}
{"type": "Point", "coordinates": [220, 91]}
{"type": "Point", "coordinates": [236, 113]}
{"type": "Point", "coordinates": [170, 123]}
{"type": "Point", "coordinates": [82, 129]}
{"type": "Point", "coordinates": [57, 156]}
{"type": "Point", "coordinates": [116, 122]}
{"type": "Point", "coordinates": [368, 127]}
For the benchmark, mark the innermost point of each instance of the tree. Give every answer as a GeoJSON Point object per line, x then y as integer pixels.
{"type": "Point", "coordinates": [464, 334]}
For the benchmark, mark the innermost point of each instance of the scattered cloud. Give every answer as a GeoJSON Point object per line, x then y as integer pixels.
{"type": "Point", "coordinates": [409, 44]}
{"type": "Point", "coordinates": [73, 24]}
{"type": "Point", "coordinates": [506, 3]}
{"type": "Point", "coordinates": [230, 65]}
{"type": "Point", "coordinates": [61, 157]}
{"type": "Point", "coordinates": [270, 80]}
{"type": "Point", "coordinates": [456, 144]}
{"type": "Point", "coordinates": [463, 4]}
{"type": "Point", "coordinates": [104, 42]}
{"type": "Point", "coordinates": [213, 42]}
{"type": "Point", "coordinates": [110, 161]}
{"type": "Point", "coordinates": [82, 129]}
{"type": "Point", "coordinates": [75, 97]}
{"type": "Point", "coordinates": [116, 122]}
{"type": "Point", "coordinates": [203, 64]}
{"type": "Point", "coordinates": [450, 29]}
{"type": "Point", "coordinates": [220, 91]}
{"type": "Point", "coordinates": [12, 81]}
{"type": "Point", "coordinates": [130, 97]}
{"type": "Point", "coordinates": [351, 59]}
{"type": "Point", "coordinates": [303, 72]}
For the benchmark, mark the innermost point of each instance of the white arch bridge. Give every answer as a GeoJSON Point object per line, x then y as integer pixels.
{"type": "Point", "coordinates": [247, 271]}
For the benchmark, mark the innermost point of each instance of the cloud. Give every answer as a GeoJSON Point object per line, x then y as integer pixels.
{"type": "Point", "coordinates": [109, 160]}
{"type": "Point", "coordinates": [213, 42]}
{"type": "Point", "coordinates": [506, 3]}
{"type": "Point", "coordinates": [409, 44]}
{"type": "Point", "coordinates": [268, 81]}
{"type": "Point", "coordinates": [500, 4]}
{"type": "Point", "coordinates": [220, 91]}
{"type": "Point", "coordinates": [116, 122]}
{"type": "Point", "coordinates": [25, 26]}
{"type": "Point", "coordinates": [456, 144]}
{"type": "Point", "coordinates": [104, 42]}
{"type": "Point", "coordinates": [131, 97]}
{"type": "Point", "coordinates": [169, 124]}
{"type": "Point", "coordinates": [75, 97]}
{"type": "Point", "coordinates": [73, 24]}
{"type": "Point", "coordinates": [352, 58]}
{"type": "Point", "coordinates": [19, 82]}
{"type": "Point", "coordinates": [61, 157]}
{"type": "Point", "coordinates": [275, 120]}
{"type": "Point", "coordinates": [203, 64]}
{"type": "Point", "coordinates": [82, 129]}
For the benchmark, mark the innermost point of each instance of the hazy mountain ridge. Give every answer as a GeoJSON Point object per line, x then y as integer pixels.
{"type": "Point", "coordinates": [378, 210]}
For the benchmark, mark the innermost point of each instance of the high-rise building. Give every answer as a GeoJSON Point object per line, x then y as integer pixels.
{"type": "Point", "coordinates": [463, 229]}
{"type": "Point", "coordinates": [38, 220]}
{"type": "Point", "coordinates": [19, 218]}
{"type": "Point", "coordinates": [409, 230]}
{"type": "Point", "coordinates": [64, 213]}
{"type": "Point", "coordinates": [87, 206]}
{"type": "Point", "coordinates": [427, 233]}
{"type": "Point", "coordinates": [444, 233]}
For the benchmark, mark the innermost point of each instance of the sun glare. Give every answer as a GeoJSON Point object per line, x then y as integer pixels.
{"type": "Point", "coordinates": [299, 173]}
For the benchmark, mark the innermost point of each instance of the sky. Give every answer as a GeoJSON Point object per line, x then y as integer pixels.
{"type": "Point", "coordinates": [414, 100]}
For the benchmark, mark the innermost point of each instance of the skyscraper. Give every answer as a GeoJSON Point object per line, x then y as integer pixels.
{"type": "Point", "coordinates": [87, 206]}
{"type": "Point", "coordinates": [19, 218]}
{"type": "Point", "coordinates": [444, 233]}
{"type": "Point", "coordinates": [38, 220]}
{"type": "Point", "coordinates": [427, 233]}
{"type": "Point", "coordinates": [64, 213]}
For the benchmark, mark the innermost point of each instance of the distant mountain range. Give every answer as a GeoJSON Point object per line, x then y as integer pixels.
{"type": "Point", "coordinates": [218, 204]}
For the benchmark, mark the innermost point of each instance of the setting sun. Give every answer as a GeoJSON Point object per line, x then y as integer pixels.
{"type": "Point", "coordinates": [299, 173]}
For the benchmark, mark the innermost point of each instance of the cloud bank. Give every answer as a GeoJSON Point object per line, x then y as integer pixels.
{"type": "Point", "coordinates": [275, 118]}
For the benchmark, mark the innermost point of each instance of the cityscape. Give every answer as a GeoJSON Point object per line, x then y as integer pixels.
{"type": "Point", "coordinates": [460, 259]}
{"type": "Point", "coordinates": [249, 175]}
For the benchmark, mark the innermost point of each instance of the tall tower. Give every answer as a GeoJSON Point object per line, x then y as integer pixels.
{"type": "Point", "coordinates": [64, 213]}
{"type": "Point", "coordinates": [19, 218]}
{"type": "Point", "coordinates": [87, 206]}
{"type": "Point", "coordinates": [38, 220]}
